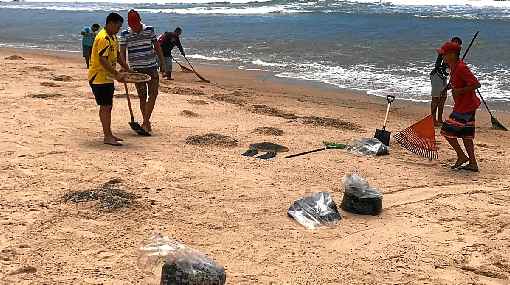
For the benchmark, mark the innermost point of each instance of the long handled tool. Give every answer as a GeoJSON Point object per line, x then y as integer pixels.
{"type": "Point", "coordinates": [196, 73]}
{"type": "Point", "coordinates": [327, 145]}
{"type": "Point", "coordinates": [383, 135]}
{"type": "Point", "coordinates": [135, 126]}
{"type": "Point", "coordinates": [183, 68]}
{"type": "Point", "coordinates": [495, 123]}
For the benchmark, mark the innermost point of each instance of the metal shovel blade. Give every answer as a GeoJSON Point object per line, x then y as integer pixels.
{"type": "Point", "coordinates": [383, 136]}
{"type": "Point", "coordinates": [135, 126]}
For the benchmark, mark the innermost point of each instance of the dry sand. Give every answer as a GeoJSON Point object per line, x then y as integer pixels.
{"type": "Point", "coordinates": [438, 226]}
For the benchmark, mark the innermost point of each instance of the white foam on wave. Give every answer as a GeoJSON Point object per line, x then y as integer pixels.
{"type": "Point", "coordinates": [268, 64]}
{"type": "Point", "coordinates": [281, 9]}
{"type": "Point", "coordinates": [152, 1]}
{"type": "Point", "coordinates": [472, 3]}
{"type": "Point", "coordinates": [210, 58]}
{"type": "Point", "coordinates": [410, 83]}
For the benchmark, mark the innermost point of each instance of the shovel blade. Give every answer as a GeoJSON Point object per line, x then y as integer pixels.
{"type": "Point", "coordinates": [135, 126]}
{"type": "Point", "coordinates": [383, 136]}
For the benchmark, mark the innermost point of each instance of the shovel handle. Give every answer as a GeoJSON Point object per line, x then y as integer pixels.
{"type": "Point", "coordinates": [129, 102]}
{"type": "Point", "coordinates": [390, 99]}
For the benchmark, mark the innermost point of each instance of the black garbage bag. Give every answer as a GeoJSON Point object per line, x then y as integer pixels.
{"type": "Point", "coordinates": [181, 265]}
{"type": "Point", "coordinates": [315, 210]}
{"type": "Point", "coordinates": [368, 146]}
{"type": "Point", "coordinates": [192, 271]}
{"type": "Point", "coordinates": [359, 197]}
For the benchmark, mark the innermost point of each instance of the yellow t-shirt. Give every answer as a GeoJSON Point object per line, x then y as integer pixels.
{"type": "Point", "coordinates": [104, 45]}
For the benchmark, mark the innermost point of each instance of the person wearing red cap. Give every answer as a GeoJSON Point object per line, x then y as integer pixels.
{"type": "Point", "coordinates": [461, 123]}
{"type": "Point", "coordinates": [140, 46]}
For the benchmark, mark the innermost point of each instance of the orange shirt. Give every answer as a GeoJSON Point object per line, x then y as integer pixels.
{"type": "Point", "coordinates": [461, 76]}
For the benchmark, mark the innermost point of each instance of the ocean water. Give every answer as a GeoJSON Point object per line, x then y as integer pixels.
{"type": "Point", "coordinates": [381, 47]}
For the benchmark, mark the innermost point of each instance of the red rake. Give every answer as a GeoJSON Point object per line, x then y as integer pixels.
{"type": "Point", "coordinates": [420, 138]}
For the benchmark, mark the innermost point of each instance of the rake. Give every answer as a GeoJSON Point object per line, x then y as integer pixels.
{"type": "Point", "coordinates": [495, 123]}
{"type": "Point", "coordinates": [420, 138]}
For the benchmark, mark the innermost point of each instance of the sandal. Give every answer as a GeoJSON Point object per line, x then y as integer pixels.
{"type": "Point", "coordinates": [470, 167]}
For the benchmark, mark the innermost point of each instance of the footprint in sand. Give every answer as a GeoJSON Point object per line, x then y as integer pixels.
{"type": "Point", "coordinates": [64, 78]}
{"type": "Point", "coordinates": [43, 95]}
{"type": "Point", "coordinates": [14, 57]}
{"type": "Point", "coordinates": [189, 114]}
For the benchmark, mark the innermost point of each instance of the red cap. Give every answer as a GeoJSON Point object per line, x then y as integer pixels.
{"type": "Point", "coordinates": [133, 19]}
{"type": "Point", "coordinates": [449, 47]}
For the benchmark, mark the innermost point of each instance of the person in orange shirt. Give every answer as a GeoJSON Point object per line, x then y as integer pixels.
{"type": "Point", "coordinates": [461, 123]}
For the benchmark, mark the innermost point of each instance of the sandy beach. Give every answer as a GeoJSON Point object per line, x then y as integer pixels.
{"type": "Point", "coordinates": [438, 226]}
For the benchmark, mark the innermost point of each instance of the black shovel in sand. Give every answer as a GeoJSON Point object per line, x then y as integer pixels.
{"type": "Point", "coordinates": [135, 126]}
{"type": "Point", "coordinates": [383, 135]}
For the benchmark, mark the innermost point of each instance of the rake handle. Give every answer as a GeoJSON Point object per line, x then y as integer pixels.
{"type": "Point", "coordinates": [485, 103]}
{"type": "Point", "coordinates": [129, 102]}
{"type": "Point", "coordinates": [306, 152]}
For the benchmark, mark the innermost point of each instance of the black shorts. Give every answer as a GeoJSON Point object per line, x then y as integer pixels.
{"type": "Point", "coordinates": [103, 93]}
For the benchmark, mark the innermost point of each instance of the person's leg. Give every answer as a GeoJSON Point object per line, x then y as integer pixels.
{"type": "Point", "coordinates": [440, 108]}
{"type": "Point", "coordinates": [433, 108]}
{"type": "Point", "coordinates": [470, 149]}
{"type": "Point", "coordinates": [104, 98]}
{"type": "Point", "coordinates": [141, 89]}
{"type": "Point", "coordinates": [168, 74]}
{"type": "Point", "coordinates": [461, 156]}
{"type": "Point", "coordinates": [153, 87]}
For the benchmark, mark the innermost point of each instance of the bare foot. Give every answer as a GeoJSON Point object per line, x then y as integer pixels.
{"type": "Point", "coordinates": [460, 162]}
{"type": "Point", "coordinates": [111, 141]}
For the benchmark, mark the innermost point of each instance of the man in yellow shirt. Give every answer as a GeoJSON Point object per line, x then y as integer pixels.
{"type": "Point", "coordinates": [102, 72]}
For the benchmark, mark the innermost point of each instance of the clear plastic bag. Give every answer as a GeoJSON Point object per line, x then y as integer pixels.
{"type": "Point", "coordinates": [315, 210]}
{"type": "Point", "coordinates": [359, 197]}
{"type": "Point", "coordinates": [180, 264]}
{"type": "Point", "coordinates": [368, 146]}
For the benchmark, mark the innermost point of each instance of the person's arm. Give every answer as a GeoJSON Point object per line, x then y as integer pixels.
{"type": "Point", "coordinates": [159, 52]}
{"type": "Point", "coordinates": [106, 65]}
{"type": "Point", "coordinates": [121, 60]}
{"type": "Point", "coordinates": [123, 55]}
{"type": "Point", "coordinates": [439, 62]}
{"type": "Point", "coordinates": [469, 78]}
{"type": "Point", "coordinates": [463, 90]}
{"type": "Point", "coordinates": [180, 47]}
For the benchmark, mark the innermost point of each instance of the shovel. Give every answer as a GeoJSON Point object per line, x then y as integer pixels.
{"type": "Point", "coordinates": [135, 126]}
{"type": "Point", "coordinates": [383, 135]}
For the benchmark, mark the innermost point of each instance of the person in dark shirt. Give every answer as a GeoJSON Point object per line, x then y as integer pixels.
{"type": "Point", "coordinates": [168, 41]}
{"type": "Point", "coordinates": [438, 78]}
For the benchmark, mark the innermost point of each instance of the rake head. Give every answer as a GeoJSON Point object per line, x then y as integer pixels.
{"type": "Point", "coordinates": [419, 138]}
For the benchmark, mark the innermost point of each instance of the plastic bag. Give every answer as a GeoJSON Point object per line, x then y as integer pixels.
{"type": "Point", "coordinates": [359, 197]}
{"type": "Point", "coordinates": [315, 210]}
{"type": "Point", "coordinates": [368, 146]}
{"type": "Point", "coordinates": [180, 264]}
